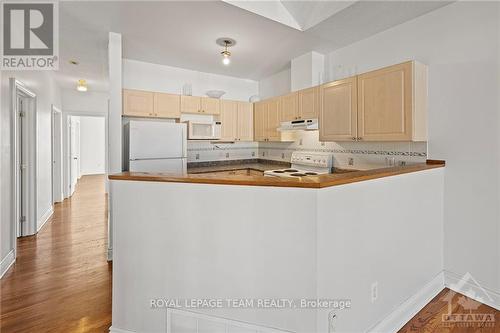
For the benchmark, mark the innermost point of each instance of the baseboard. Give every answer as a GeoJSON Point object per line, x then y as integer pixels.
{"type": "Point", "coordinates": [469, 287]}
{"type": "Point", "coordinates": [119, 330]}
{"type": "Point", "coordinates": [409, 308]}
{"type": "Point", "coordinates": [45, 218]}
{"type": "Point", "coordinates": [7, 262]}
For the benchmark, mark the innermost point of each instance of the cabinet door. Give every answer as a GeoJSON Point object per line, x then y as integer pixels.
{"type": "Point", "coordinates": [273, 120]}
{"type": "Point", "coordinates": [289, 107]}
{"type": "Point", "coordinates": [260, 120]}
{"type": "Point", "coordinates": [229, 119]}
{"type": "Point", "coordinates": [245, 121]}
{"type": "Point", "coordinates": [190, 104]}
{"type": "Point", "coordinates": [385, 104]}
{"type": "Point", "coordinates": [309, 103]}
{"type": "Point", "coordinates": [210, 105]}
{"type": "Point", "coordinates": [138, 103]}
{"type": "Point", "coordinates": [167, 105]}
{"type": "Point", "coordinates": [338, 110]}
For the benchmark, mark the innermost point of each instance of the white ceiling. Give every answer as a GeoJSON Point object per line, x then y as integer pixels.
{"type": "Point", "coordinates": [183, 33]}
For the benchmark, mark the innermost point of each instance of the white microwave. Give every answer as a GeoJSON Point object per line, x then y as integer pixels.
{"type": "Point", "coordinates": [204, 130]}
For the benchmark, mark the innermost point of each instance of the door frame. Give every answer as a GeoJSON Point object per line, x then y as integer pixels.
{"type": "Point", "coordinates": [17, 88]}
{"type": "Point", "coordinates": [67, 149]}
{"type": "Point", "coordinates": [57, 159]}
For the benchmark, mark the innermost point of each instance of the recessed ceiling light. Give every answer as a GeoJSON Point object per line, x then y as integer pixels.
{"type": "Point", "coordinates": [74, 62]}
{"type": "Point", "coordinates": [82, 85]}
{"type": "Point", "coordinates": [226, 42]}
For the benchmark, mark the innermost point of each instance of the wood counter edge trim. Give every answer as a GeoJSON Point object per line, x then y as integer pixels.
{"type": "Point", "coordinates": [347, 178]}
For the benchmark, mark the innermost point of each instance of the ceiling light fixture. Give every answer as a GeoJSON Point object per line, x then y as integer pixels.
{"type": "Point", "coordinates": [82, 85]}
{"type": "Point", "coordinates": [226, 42]}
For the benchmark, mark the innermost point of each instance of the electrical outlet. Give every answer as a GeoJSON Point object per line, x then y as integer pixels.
{"type": "Point", "coordinates": [350, 161]}
{"type": "Point", "coordinates": [402, 163]}
{"type": "Point", "coordinates": [300, 142]}
{"type": "Point", "coordinates": [263, 153]}
{"type": "Point", "coordinates": [283, 155]}
{"type": "Point", "coordinates": [227, 155]}
{"type": "Point", "coordinates": [197, 156]}
{"type": "Point", "coordinates": [253, 154]}
{"type": "Point", "coordinates": [322, 143]}
{"type": "Point", "coordinates": [374, 291]}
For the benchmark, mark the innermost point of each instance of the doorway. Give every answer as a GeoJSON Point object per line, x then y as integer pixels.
{"type": "Point", "coordinates": [24, 165]}
{"type": "Point", "coordinates": [86, 147]}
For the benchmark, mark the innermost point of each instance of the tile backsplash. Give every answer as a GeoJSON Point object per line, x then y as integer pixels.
{"type": "Point", "coordinates": [363, 155]}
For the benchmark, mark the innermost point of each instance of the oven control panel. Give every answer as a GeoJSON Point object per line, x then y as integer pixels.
{"type": "Point", "coordinates": [316, 159]}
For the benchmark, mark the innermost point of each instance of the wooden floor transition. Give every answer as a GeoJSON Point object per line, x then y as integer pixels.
{"type": "Point", "coordinates": [61, 281]}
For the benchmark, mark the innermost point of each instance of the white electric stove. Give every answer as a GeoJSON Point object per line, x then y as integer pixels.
{"type": "Point", "coordinates": [305, 164]}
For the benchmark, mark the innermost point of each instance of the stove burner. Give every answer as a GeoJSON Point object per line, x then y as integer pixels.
{"type": "Point", "coordinates": [279, 171]}
{"type": "Point", "coordinates": [290, 170]}
{"type": "Point", "coordinates": [298, 174]}
{"type": "Point", "coordinates": [311, 173]}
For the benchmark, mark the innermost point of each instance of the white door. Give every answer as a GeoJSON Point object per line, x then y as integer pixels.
{"type": "Point", "coordinates": [73, 156]}
{"type": "Point", "coordinates": [57, 192]}
{"type": "Point", "coordinates": [22, 152]}
{"type": "Point", "coordinates": [155, 140]}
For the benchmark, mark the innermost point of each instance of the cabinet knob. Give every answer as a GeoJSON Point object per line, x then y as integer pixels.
{"type": "Point", "coordinates": [353, 139]}
{"type": "Point", "coordinates": [360, 138]}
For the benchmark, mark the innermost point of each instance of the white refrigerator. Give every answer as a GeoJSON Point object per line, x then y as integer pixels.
{"type": "Point", "coordinates": [155, 146]}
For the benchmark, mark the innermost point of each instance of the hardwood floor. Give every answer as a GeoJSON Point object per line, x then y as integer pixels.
{"type": "Point", "coordinates": [433, 318]}
{"type": "Point", "coordinates": [61, 281]}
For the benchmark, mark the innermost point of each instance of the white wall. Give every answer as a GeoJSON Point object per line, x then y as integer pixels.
{"type": "Point", "coordinates": [146, 76]}
{"type": "Point", "coordinates": [91, 101]}
{"type": "Point", "coordinates": [92, 145]}
{"type": "Point", "coordinates": [459, 42]}
{"type": "Point", "coordinates": [43, 84]}
{"type": "Point", "coordinates": [275, 85]}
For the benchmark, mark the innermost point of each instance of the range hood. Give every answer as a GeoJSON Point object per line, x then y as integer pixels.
{"type": "Point", "coordinates": [295, 125]}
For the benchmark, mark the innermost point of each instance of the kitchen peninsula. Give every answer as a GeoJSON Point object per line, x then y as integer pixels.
{"type": "Point", "coordinates": [226, 236]}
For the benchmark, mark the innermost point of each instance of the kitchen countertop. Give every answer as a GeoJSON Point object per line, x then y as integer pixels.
{"type": "Point", "coordinates": [231, 167]}
{"type": "Point", "coordinates": [208, 175]}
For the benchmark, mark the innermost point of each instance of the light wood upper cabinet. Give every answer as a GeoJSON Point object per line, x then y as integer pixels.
{"type": "Point", "coordinates": [273, 120]}
{"type": "Point", "coordinates": [229, 120]}
{"type": "Point", "coordinates": [210, 105]}
{"type": "Point", "coordinates": [338, 111]}
{"type": "Point", "coordinates": [245, 121]}
{"type": "Point", "coordinates": [309, 103]}
{"type": "Point", "coordinates": [167, 105]}
{"type": "Point", "coordinates": [260, 121]}
{"type": "Point", "coordinates": [237, 121]}
{"type": "Point", "coordinates": [138, 103]}
{"type": "Point", "coordinates": [289, 107]}
{"type": "Point", "coordinates": [190, 104]}
{"type": "Point", "coordinates": [389, 104]}
{"type": "Point", "coordinates": [385, 103]}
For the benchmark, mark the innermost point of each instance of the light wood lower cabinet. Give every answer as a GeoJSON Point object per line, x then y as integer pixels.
{"type": "Point", "coordinates": [389, 104]}
{"type": "Point", "coordinates": [138, 103]}
{"type": "Point", "coordinates": [338, 111]}
{"type": "Point", "coordinates": [167, 105]}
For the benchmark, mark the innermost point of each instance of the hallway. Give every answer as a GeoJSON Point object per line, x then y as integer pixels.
{"type": "Point", "coordinates": [61, 281]}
